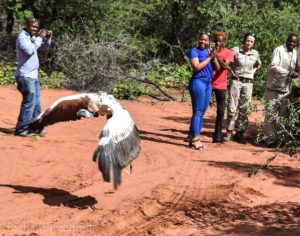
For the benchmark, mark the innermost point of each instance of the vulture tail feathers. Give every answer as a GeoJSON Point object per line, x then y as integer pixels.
{"type": "Point", "coordinates": [104, 164]}
{"type": "Point", "coordinates": [96, 155]}
{"type": "Point", "coordinates": [117, 175]}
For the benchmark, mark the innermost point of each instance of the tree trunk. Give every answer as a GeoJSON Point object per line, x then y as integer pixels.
{"type": "Point", "coordinates": [10, 21]}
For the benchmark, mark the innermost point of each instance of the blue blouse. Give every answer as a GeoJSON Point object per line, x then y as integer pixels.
{"type": "Point", "coordinates": [202, 54]}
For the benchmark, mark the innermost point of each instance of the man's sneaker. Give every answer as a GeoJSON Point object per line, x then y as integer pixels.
{"type": "Point", "coordinates": [40, 134]}
{"type": "Point", "coordinates": [22, 134]}
{"type": "Point", "coordinates": [31, 133]}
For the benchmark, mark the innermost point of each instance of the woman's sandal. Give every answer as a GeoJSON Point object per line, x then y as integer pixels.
{"type": "Point", "coordinates": [193, 144]}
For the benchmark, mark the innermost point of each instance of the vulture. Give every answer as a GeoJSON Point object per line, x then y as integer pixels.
{"type": "Point", "coordinates": [119, 141]}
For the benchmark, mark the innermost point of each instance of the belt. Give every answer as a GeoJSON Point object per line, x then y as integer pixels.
{"type": "Point", "coordinates": [243, 80]}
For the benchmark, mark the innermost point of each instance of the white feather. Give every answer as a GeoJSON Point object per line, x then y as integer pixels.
{"type": "Point", "coordinates": [119, 126]}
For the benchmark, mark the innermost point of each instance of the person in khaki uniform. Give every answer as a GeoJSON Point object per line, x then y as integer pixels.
{"type": "Point", "coordinates": [246, 62]}
{"type": "Point", "coordinates": [283, 68]}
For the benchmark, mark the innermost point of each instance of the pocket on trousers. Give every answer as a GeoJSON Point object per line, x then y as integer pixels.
{"type": "Point", "coordinates": [23, 84]}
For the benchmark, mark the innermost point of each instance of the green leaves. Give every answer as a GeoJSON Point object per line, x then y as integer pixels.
{"type": "Point", "coordinates": [129, 90]}
{"type": "Point", "coordinates": [286, 128]}
{"type": "Point", "coordinates": [54, 80]}
{"type": "Point", "coordinates": [7, 74]}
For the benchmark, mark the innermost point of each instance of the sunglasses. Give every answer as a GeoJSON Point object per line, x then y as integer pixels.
{"type": "Point", "coordinates": [250, 34]}
{"type": "Point", "coordinates": [204, 32]}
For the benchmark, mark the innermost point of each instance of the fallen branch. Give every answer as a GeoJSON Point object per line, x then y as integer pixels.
{"type": "Point", "coordinates": [147, 81]}
{"type": "Point", "coordinates": [158, 98]}
{"type": "Point", "coordinates": [255, 169]}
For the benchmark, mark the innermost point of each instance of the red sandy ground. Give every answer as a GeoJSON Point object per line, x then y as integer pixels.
{"type": "Point", "coordinates": [50, 186]}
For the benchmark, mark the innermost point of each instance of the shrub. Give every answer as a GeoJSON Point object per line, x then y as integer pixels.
{"type": "Point", "coordinates": [168, 74]}
{"type": "Point", "coordinates": [54, 80]}
{"type": "Point", "coordinates": [287, 127]}
{"type": "Point", "coordinates": [129, 90]}
{"type": "Point", "coordinates": [7, 74]}
{"type": "Point", "coordinates": [94, 65]}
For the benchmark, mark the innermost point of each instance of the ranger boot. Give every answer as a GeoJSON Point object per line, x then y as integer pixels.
{"type": "Point", "coordinates": [239, 137]}
{"type": "Point", "coordinates": [229, 136]}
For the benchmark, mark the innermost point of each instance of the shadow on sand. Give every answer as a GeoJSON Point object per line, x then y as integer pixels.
{"type": "Point", "coordinates": [7, 130]}
{"type": "Point", "coordinates": [56, 197]}
{"type": "Point", "coordinates": [285, 175]}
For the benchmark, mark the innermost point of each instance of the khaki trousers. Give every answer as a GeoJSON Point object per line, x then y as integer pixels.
{"type": "Point", "coordinates": [240, 95]}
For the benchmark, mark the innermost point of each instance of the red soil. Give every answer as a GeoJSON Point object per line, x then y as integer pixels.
{"type": "Point", "coordinates": [50, 186]}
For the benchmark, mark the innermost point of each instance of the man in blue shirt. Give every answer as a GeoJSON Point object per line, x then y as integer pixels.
{"type": "Point", "coordinates": [29, 41]}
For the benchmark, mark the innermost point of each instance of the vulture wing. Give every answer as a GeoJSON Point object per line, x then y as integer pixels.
{"type": "Point", "coordinates": [119, 144]}
{"type": "Point", "coordinates": [64, 109]}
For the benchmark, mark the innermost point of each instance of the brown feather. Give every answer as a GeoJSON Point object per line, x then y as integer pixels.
{"type": "Point", "coordinates": [63, 111]}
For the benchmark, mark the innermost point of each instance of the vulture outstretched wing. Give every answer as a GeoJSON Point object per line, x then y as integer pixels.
{"type": "Point", "coordinates": [64, 109]}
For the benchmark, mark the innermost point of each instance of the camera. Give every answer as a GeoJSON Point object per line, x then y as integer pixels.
{"type": "Point", "coordinates": [212, 46]}
{"type": "Point", "coordinates": [48, 34]}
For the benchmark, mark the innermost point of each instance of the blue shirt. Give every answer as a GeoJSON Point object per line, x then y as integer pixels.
{"type": "Point", "coordinates": [207, 71]}
{"type": "Point", "coordinates": [27, 54]}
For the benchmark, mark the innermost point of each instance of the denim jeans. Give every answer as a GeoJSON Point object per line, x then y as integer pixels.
{"type": "Point", "coordinates": [200, 90]}
{"type": "Point", "coordinates": [221, 104]}
{"type": "Point", "coordinates": [31, 101]}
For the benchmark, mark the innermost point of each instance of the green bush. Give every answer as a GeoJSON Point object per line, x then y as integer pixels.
{"type": "Point", "coordinates": [128, 90]}
{"type": "Point", "coordinates": [286, 128]}
{"type": "Point", "coordinates": [54, 80]}
{"type": "Point", "coordinates": [169, 75]}
{"type": "Point", "coordinates": [165, 75]}
{"type": "Point", "coordinates": [7, 74]}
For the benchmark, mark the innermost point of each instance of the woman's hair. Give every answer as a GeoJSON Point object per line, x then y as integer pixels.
{"type": "Point", "coordinates": [220, 33]}
{"type": "Point", "coordinates": [249, 34]}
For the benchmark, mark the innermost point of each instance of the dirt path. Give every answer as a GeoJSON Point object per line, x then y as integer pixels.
{"type": "Point", "coordinates": [50, 186]}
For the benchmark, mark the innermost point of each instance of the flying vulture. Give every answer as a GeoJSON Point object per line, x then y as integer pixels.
{"type": "Point", "coordinates": [119, 142]}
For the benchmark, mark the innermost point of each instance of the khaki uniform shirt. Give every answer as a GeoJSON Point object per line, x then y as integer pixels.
{"type": "Point", "coordinates": [282, 63]}
{"type": "Point", "coordinates": [244, 62]}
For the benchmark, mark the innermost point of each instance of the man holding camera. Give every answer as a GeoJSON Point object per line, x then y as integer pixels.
{"type": "Point", "coordinates": [29, 41]}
